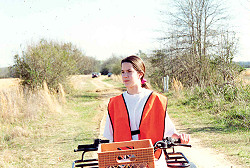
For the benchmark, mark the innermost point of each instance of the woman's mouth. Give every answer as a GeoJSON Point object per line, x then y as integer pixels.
{"type": "Point", "coordinates": [125, 81]}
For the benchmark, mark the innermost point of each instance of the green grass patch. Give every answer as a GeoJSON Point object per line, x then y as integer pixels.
{"type": "Point", "coordinates": [229, 104]}
{"type": "Point", "coordinates": [207, 125]}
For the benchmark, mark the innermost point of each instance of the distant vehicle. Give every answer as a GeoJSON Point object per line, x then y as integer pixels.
{"type": "Point", "coordinates": [109, 74]}
{"type": "Point", "coordinates": [94, 75]}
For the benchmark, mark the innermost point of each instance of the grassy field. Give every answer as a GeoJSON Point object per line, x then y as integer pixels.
{"type": "Point", "coordinates": [200, 124]}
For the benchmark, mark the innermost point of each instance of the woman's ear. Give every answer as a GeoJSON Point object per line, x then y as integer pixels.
{"type": "Point", "coordinates": [141, 75]}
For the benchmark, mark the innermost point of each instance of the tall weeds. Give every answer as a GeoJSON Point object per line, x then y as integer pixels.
{"type": "Point", "coordinates": [20, 105]}
{"type": "Point", "coordinates": [177, 85]}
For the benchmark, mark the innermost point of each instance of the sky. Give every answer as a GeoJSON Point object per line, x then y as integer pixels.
{"type": "Point", "coordinates": [100, 28]}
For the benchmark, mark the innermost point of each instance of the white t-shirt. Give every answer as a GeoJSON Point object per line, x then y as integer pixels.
{"type": "Point", "coordinates": [135, 104]}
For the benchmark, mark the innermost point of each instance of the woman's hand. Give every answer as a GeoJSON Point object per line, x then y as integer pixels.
{"type": "Point", "coordinates": [184, 137]}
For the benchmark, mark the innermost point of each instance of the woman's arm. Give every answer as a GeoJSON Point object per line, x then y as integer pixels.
{"type": "Point", "coordinates": [108, 130]}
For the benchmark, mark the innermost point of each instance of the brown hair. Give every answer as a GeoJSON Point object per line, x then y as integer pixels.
{"type": "Point", "coordinates": [138, 65]}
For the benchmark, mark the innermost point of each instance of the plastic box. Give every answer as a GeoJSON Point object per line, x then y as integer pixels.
{"type": "Point", "coordinates": [136, 154]}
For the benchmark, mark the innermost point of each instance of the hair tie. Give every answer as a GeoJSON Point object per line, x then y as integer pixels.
{"type": "Point", "coordinates": [143, 81]}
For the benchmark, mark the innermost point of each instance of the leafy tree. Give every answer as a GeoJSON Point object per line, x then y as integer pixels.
{"type": "Point", "coordinates": [88, 65]}
{"type": "Point", "coordinates": [47, 61]}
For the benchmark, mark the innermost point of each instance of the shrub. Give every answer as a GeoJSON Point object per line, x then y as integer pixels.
{"type": "Point", "coordinates": [46, 61]}
{"type": "Point", "coordinates": [229, 103]}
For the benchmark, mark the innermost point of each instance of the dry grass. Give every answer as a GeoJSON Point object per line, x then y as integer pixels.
{"type": "Point", "coordinates": [177, 85]}
{"type": "Point", "coordinates": [243, 79]}
{"type": "Point", "coordinates": [246, 76]}
{"type": "Point", "coordinates": [117, 78]}
{"type": "Point", "coordinates": [247, 72]}
{"type": "Point", "coordinates": [78, 81]}
{"type": "Point", "coordinates": [19, 107]}
{"type": "Point", "coordinates": [9, 83]}
{"type": "Point", "coordinates": [19, 103]}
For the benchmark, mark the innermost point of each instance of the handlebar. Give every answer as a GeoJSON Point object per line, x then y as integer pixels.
{"type": "Point", "coordinates": [173, 159]}
{"type": "Point", "coordinates": [91, 147]}
{"type": "Point", "coordinates": [169, 143]}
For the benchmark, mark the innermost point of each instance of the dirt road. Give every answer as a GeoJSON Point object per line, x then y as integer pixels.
{"type": "Point", "coordinates": [203, 157]}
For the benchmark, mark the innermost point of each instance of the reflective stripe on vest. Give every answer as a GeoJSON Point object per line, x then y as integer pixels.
{"type": "Point", "coordinates": [152, 122]}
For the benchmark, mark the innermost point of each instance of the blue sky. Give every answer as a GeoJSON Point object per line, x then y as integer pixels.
{"type": "Point", "coordinates": [98, 27]}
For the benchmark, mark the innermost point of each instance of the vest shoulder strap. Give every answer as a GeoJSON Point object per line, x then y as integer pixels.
{"type": "Point", "coordinates": [119, 118]}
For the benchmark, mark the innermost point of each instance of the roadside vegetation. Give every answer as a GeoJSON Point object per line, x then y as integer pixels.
{"type": "Point", "coordinates": [41, 128]}
{"type": "Point", "coordinates": [25, 122]}
{"type": "Point", "coordinates": [219, 117]}
{"type": "Point", "coordinates": [112, 64]}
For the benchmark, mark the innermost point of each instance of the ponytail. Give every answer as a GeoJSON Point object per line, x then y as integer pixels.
{"type": "Point", "coordinates": [144, 83]}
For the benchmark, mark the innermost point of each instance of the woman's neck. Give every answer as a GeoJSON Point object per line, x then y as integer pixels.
{"type": "Point", "coordinates": [134, 90]}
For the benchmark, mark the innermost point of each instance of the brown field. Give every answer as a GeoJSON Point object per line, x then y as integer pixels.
{"type": "Point", "coordinates": [246, 73]}
{"type": "Point", "coordinates": [9, 82]}
{"type": "Point", "coordinates": [245, 76]}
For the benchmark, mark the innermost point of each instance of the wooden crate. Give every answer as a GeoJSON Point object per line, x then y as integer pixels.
{"type": "Point", "coordinates": [136, 154]}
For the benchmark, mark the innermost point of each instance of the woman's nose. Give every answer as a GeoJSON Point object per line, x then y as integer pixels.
{"type": "Point", "coordinates": [124, 74]}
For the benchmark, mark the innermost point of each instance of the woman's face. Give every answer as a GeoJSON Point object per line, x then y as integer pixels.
{"type": "Point", "coordinates": [130, 76]}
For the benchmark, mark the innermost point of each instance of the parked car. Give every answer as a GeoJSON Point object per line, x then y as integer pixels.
{"type": "Point", "coordinates": [109, 74]}
{"type": "Point", "coordinates": [94, 75]}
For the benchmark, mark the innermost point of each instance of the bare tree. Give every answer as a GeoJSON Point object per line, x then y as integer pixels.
{"type": "Point", "coordinates": [197, 34]}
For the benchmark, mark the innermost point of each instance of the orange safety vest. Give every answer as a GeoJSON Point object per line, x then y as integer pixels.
{"type": "Point", "coordinates": [152, 124]}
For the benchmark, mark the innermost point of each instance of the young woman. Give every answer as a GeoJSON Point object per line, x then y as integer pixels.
{"type": "Point", "coordinates": [139, 113]}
